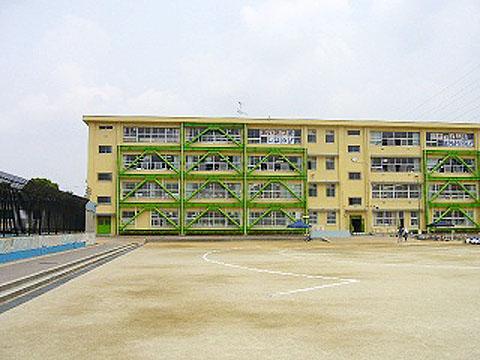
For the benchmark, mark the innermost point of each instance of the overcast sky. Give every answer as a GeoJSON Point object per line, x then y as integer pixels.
{"type": "Point", "coordinates": [377, 59]}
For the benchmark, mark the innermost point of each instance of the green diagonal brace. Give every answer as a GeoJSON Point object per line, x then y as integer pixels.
{"type": "Point", "coordinates": [138, 213]}
{"type": "Point", "coordinates": [229, 217]}
{"type": "Point", "coordinates": [164, 188]}
{"type": "Point", "coordinates": [162, 214]}
{"type": "Point", "coordinates": [138, 186]}
{"type": "Point", "coordinates": [172, 167]}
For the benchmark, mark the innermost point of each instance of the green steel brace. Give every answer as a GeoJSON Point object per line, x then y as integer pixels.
{"type": "Point", "coordinates": [212, 128]}
{"type": "Point", "coordinates": [212, 181]}
{"type": "Point", "coordinates": [429, 175]}
{"type": "Point", "coordinates": [305, 182]}
{"type": "Point", "coordinates": [164, 188]}
{"type": "Point", "coordinates": [268, 183]}
{"type": "Point", "coordinates": [245, 181]}
{"type": "Point", "coordinates": [117, 197]}
{"type": "Point", "coordinates": [181, 215]}
{"type": "Point", "coordinates": [181, 173]}
{"type": "Point", "coordinates": [272, 208]}
{"type": "Point", "coordinates": [162, 214]}
{"type": "Point", "coordinates": [132, 219]}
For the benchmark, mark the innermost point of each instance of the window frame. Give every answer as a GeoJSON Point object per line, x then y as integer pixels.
{"type": "Point", "coordinates": [105, 149]}
{"type": "Point", "coordinates": [329, 136]}
{"type": "Point", "coordinates": [108, 178]}
{"type": "Point", "coordinates": [353, 149]}
{"type": "Point", "coordinates": [352, 201]}
{"type": "Point", "coordinates": [312, 136]}
{"type": "Point", "coordinates": [330, 160]}
{"type": "Point", "coordinates": [330, 190]}
{"type": "Point", "coordinates": [354, 175]}
{"type": "Point", "coordinates": [331, 217]}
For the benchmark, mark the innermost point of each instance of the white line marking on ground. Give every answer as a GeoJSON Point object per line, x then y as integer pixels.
{"type": "Point", "coordinates": [282, 273]}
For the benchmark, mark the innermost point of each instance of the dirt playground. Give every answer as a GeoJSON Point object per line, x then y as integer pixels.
{"type": "Point", "coordinates": [357, 298]}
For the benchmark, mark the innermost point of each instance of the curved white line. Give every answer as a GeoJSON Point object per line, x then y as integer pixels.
{"type": "Point", "coordinates": [342, 281]}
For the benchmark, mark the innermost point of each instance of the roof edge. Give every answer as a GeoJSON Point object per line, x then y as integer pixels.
{"type": "Point", "coordinates": [304, 121]}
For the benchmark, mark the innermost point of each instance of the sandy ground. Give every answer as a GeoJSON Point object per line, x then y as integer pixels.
{"type": "Point", "coordinates": [359, 298]}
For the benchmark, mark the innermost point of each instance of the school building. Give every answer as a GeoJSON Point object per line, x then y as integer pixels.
{"type": "Point", "coordinates": [199, 175]}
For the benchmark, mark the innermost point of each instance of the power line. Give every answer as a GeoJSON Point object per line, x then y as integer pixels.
{"type": "Point", "coordinates": [454, 98]}
{"type": "Point", "coordinates": [464, 106]}
{"type": "Point", "coordinates": [475, 68]}
{"type": "Point", "coordinates": [467, 112]}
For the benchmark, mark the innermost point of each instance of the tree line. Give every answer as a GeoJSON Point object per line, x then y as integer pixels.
{"type": "Point", "coordinates": [40, 207]}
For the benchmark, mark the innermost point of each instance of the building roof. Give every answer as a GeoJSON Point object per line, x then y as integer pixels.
{"type": "Point", "coordinates": [16, 182]}
{"type": "Point", "coordinates": [279, 121]}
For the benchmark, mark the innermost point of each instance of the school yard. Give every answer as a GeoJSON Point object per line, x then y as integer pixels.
{"type": "Point", "coordinates": [355, 298]}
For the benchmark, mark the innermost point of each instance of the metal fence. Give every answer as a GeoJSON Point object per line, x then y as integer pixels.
{"type": "Point", "coordinates": [39, 207]}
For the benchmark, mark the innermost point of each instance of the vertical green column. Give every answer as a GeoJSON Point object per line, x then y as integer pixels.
{"type": "Point", "coordinates": [244, 182]}
{"type": "Point", "coordinates": [117, 198]}
{"type": "Point", "coordinates": [181, 214]}
{"type": "Point", "coordinates": [426, 208]}
{"type": "Point", "coordinates": [305, 182]}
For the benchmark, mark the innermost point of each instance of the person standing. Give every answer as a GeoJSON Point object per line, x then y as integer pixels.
{"type": "Point", "coordinates": [405, 234]}
{"type": "Point", "coordinates": [400, 234]}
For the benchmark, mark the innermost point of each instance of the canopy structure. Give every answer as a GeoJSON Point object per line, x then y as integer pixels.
{"type": "Point", "coordinates": [299, 224]}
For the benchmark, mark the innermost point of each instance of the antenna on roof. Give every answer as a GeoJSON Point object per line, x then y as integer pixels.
{"type": "Point", "coordinates": [239, 109]}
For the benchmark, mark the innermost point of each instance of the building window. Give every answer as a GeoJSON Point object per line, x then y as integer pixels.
{"type": "Point", "coordinates": [274, 163]}
{"type": "Point", "coordinates": [453, 191]}
{"type": "Point", "coordinates": [203, 135]}
{"type": "Point", "coordinates": [104, 200]}
{"type": "Point", "coordinates": [274, 191]}
{"type": "Point", "coordinates": [329, 136]}
{"type": "Point", "coordinates": [104, 149]}
{"type": "Point", "coordinates": [353, 148]}
{"type": "Point", "coordinates": [330, 163]}
{"type": "Point", "coordinates": [313, 217]}
{"type": "Point", "coordinates": [151, 162]}
{"type": "Point", "coordinates": [353, 132]}
{"type": "Point", "coordinates": [312, 163]}
{"type": "Point", "coordinates": [274, 136]}
{"type": "Point", "coordinates": [394, 138]}
{"type": "Point", "coordinates": [450, 140]}
{"type": "Point", "coordinates": [106, 127]}
{"type": "Point", "coordinates": [214, 190]}
{"type": "Point", "coordinates": [312, 136]}
{"type": "Point", "coordinates": [330, 190]}
{"type": "Point", "coordinates": [312, 190]}
{"type": "Point", "coordinates": [354, 201]}
{"type": "Point", "coordinates": [150, 190]}
{"type": "Point", "coordinates": [395, 191]}
{"type": "Point", "coordinates": [354, 176]}
{"type": "Point", "coordinates": [331, 217]}
{"type": "Point", "coordinates": [213, 219]}
{"type": "Point", "coordinates": [384, 218]}
{"type": "Point", "coordinates": [127, 215]}
{"type": "Point", "coordinates": [104, 176]}
{"type": "Point", "coordinates": [390, 164]}
{"type": "Point", "coordinates": [151, 134]}
{"type": "Point", "coordinates": [414, 218]}
{"type": "Point", "coordinates": [272, 219]}
{"type": "Point", "coordinates": [159, 221]}
{"type": "Point", "coordinates": [451, 165]}
{"type": "Point", "coordinates": [453, 218]}
{"type": "Point", "coordinates": [213, 163]}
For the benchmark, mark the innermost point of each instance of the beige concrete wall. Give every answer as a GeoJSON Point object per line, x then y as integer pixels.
{"type": "Point", "coordinates": [344, 162]}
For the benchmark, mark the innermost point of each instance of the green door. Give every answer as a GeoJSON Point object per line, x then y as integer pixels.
{"type": "Point", "coordinates": [104, 225]}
